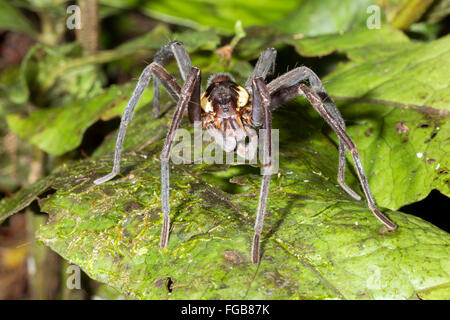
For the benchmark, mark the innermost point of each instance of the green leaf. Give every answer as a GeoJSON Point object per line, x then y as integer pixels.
{"type": "Point", "coordinates": [12, 19]}
{"type": "Point", "coordinates": [23, 198]}
{"type": "Point", "coordinates": [405, 151]}
{"type": "Point", "coordinates": [63, 127]}
{"type": "Point", "coordinates": [306, 17]}
{"type": "Point", "coordinates": [360, 44]}
{"type": "Point", "coordinates": [313, 18]}
{"type": "Point", "coordinates": [70, 82]}
{"type": "Point", "coordinates": [414, 76]}
{"type": "Point", "coordinates": [219, 14]}
{"type": "Point", "coordinates": [57, 75]}
{"type": "Point", "coordinates": [317, 241]}
{"type": "Point", "coordinates": [48, 75]}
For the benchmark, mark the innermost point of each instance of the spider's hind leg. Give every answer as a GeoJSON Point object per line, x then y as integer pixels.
{"type": "Point", "coordinates": [341, 172]}
{"type": "Point", "coordinates": [285, 87]}
{"type": "Point", "coordinates": [334, 123]}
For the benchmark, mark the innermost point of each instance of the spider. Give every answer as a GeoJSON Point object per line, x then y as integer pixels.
{"type": "Point", "coordinates": [232, 109]}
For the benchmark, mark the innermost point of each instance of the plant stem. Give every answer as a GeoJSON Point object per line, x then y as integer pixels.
{"type": "Point", "coordinates": [88, 34]}
{"type": "Point", "coordinates": [410, 13]}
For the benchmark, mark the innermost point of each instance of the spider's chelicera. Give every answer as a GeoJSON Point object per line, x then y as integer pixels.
{"type": "Point", "coordinates": [230, 112]}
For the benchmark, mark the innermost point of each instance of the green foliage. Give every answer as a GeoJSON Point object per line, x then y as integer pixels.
{"type": "Point", "coordinates": [325, 17]}
{"type": "Point", "coordinates": [12, 19]}
{"type": "Point", "coordinates": [318, 243]}
{"type": "Point", "coordinates": [221, 14]}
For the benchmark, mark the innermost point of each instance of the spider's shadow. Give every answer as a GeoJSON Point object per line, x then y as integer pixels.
{"type": "Point", "coordinates": [354, 119]}
{"type": "Point", "coordinates": [275, 227]}
{"type": "Point", "coordinates": [298, 123]}
{"type": "Point", "coordinates": [295, 122]}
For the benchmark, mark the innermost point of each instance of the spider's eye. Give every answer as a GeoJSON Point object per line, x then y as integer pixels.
{"type": "Point", "coordinates": [205, 103]}
{"type": "Point", "coordinates": [242, 96]}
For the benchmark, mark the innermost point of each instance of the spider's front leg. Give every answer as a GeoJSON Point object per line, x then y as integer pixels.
{"type": "Point", "coordinates": [264, 66]}
{"type": "Point", "coordinates": [190, 95]}
{"type": "Point", "coordinates": [261, 109]}
{"type": "Point", "coordinates": [174, 49]}
{"type": "Point", "coordinates": [171, 85]}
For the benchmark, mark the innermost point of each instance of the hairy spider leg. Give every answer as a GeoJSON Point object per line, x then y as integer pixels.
{"type": "Point", "coordinates": [153, 70]}
{"type": "Point", "coordinates": [264, 66]}
{"type": "Point", "coordinates": [289, 84]}
{"type": "Point", "coordinates": [261, 101]}
{"type": "Point", "coordinates": [173, 49]}
{"type": "Point", "coordinates": [318, 105]}
{"type": "Point", "coordinates": [190, 87]}
{"type": "Point", "coordinates": [189, 96]}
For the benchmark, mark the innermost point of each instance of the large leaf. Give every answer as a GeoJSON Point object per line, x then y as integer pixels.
{"type": "Point", "coordinates": [219, 14]}
{"type": "Point", "coordinates": [59, 130]}
{"type": "Point", "coordinates": [401, 72]}
{"type": "Point", "coordinates": [406, 151]}
{"type": "Point", "coordinates": [313, 18]}
{"type": "Point", "coordinates": [317, 243]}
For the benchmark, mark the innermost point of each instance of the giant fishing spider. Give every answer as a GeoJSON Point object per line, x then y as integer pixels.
{"type": "Point", "coordinates": [232, 109]}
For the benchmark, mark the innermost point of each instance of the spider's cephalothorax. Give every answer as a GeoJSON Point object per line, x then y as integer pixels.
{"type": "Point", "coordinates": [230, 112]}
{"type": "Point", "coordinates": [226, 113]}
